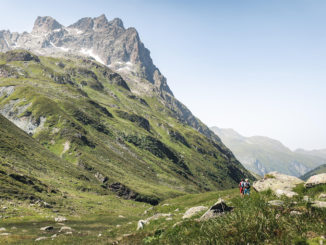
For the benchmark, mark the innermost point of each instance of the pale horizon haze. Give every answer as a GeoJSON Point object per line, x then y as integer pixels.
{"type": "Point", "coordinates": [258, 67]}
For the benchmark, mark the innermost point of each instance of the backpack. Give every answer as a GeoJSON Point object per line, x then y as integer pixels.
{"type": "Point", "coordinates": [247, 185]}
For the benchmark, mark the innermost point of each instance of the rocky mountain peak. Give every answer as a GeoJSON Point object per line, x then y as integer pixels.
{"type": "Point", "coordinates": [45, 24]}
{"type": "Point", "coordinates": [83, 24]}
{"type": "Point", "coordinates": [101, 22]}
{"type": "Point", "coordinates": [117, 22]}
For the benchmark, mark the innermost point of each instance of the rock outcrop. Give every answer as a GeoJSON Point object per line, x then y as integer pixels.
{"type": "Point", "coordinates": [280, 184]}
{"type": "Point", "coordinates": [316, 180]}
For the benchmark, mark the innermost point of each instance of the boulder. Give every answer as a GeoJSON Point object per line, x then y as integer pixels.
{"type": "Point", "coordinates": [217, 209]}
{"type": "Point", "coordinates": [3, 229]}
{"type": "Point", "coordinates": [316, 180]}
{"type": "Point", "coordinates": [280, 184]}
{"type": "Point", "coordinates": [192, 211]}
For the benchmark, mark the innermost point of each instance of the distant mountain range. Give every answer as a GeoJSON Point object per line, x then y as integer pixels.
{"type": "Point", "coordinates": [262, 154]}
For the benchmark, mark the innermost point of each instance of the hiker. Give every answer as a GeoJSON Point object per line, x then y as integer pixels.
{"type": "Point", "coordinates": [241, 187]}
{"type": "Point", "coordinates": [246, 187]}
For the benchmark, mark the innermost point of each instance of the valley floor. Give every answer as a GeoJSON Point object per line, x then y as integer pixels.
{"type": "Point", "coordinates": [94, 219]}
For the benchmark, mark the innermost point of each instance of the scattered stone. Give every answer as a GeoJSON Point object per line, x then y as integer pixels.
{"type": "Point", "coordinates": [192, 211]}
{"type": "Point", "coordinates": [141, 224]}
{"type": "Point", "coordinates": [166, 204]}
{"type": "Point", "coordinates": [99, 235]}
{"type": "Point", "coordinates": [121, 216]}
{"type": "Point", "coordinates": [294, 213]}
{"type": "Point", "coordinates": [3, 229]}
{"type": "Point", "coordinates": [47, 228]}
{"type": "Point", "coordinates": [217, 209]}
{"type": "Point", "coordinates": [277, 203]}
{"type": "Point", "coordinates": [14, 228]}
{"type": "Point", "coordinates": [4, 234]}
{"type": "Point", "coordinates": [68, 233]}
{"type": "Point", "coordinates": [126, 235]}
{"type": "Point", "coordinates": [319, 204]}
{"type": "Point", "coordinates": [177, 210]}
{"type": "Point", "coordinates": [118, 226]}
{"type": "Point", "coordinates": [60, 219]}
{"type": "Point", "coordinates": [54, 236]}
{"type": "Point", "coordinates": [277, 216]}
{"type": "Point", "coordinates": [65, 228]}
{"type": "Point", "coordinates": [167, 219]}
{"type": "Point", "coordinates": [316, 180]}
{"type": "Point", "coordinates": [41, 238]}
{"type": "Point", "coordinates": [129, 223]}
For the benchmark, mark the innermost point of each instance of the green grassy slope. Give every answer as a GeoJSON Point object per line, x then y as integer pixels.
{"type": "Point", "coordinates": [86, 115]}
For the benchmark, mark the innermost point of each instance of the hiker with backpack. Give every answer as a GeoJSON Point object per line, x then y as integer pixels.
{"type": "Point", "coordinates": [246, 188]}
{"type": "Point", "coordinates": [241, 187]}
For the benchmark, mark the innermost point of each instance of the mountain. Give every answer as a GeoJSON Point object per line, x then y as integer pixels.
{"type": "Point", "coordinates": [109, 43]}
{"type": "Point", "coordinates": [115, 123]}
{"type": "Point", "coordinates": [320, 169]}
{"type": "Point", "coordinates": [262, 154]}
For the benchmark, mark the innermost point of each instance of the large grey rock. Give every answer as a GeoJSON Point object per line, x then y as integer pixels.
{"type": "Point", "coordinates": [316, 180]}
{"type": "Point", "coordinates": [192, 211]}
{"type": "Point", "coordinates": [217, 209]}
{"type": "Point", "coordinates": [280, 184]}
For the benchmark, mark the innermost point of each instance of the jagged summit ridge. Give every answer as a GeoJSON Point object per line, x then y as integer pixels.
{"type": "Point", "coordinates": [108, 42]}
{"type": "Point", "coordinates": [46, 24]}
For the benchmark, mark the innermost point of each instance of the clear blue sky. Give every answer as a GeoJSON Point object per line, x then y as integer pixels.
{"type": "Point", "coordinates": [256, 66]}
